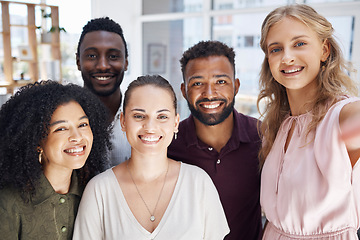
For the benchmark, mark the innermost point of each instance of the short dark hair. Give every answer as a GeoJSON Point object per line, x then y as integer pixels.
{"type": "Point", "coordinates": [205, 49]}
{"type": "Point", "coordinates": [154, 80]}
{"type": "Point", "coordinates": [24, 123]}
{"type": "Point", "coordinates": [102, 24]}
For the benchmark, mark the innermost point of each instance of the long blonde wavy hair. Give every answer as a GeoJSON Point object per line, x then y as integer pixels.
{"type": "Point", "coordinates": [332, 81]}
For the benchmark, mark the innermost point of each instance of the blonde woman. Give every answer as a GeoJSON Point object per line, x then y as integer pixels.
{"type": "Point", "coordinates": [310, 187]}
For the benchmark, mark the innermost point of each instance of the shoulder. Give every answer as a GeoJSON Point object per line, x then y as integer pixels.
{"type": "Point", "coordinates": [9, 198]}
{"type": "Point", "coordinates": [248, 127]}
{"type": "Point", "coordinates": [349, 110]}
{"type": "Point", "coordinates": [194, 172]}
{"type": "Point", "coordinates": [101, 179]}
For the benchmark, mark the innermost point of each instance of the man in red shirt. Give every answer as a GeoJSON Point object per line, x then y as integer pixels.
{"type": "Point", "coordinates": [218, 139]}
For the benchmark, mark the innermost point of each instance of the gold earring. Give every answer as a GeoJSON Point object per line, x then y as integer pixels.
{"type": "Point", "coordinates": [40, 153]}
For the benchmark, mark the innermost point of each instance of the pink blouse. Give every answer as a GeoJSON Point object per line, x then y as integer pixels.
{"type": "Point", "coordinates": [311, 191]}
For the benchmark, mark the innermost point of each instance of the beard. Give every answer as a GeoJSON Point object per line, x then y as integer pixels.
{"type": "Point", "coordinates": [211, 119]}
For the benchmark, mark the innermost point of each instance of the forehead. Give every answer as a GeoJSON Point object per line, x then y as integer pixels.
{"type": "Point", "coordinates": [71, 109]}
{"type": "Point", "coordinates": [102, 40]}
{"type": "Point", "coordinates": [150, 96]}
{"type": "Point", "coordinates": [289, 27]}
{"type": "Point", "coordinates": [212, 65]}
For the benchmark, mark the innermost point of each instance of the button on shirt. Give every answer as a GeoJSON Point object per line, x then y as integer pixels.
{"type": "Point", "coordinates": [234, 171]}
{"type": "Point", "coordinates": [46, 215]}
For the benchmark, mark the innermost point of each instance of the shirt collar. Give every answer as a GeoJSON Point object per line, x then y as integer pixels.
{"type": "Point", "coordinates": [239, 134]}
{"type": "Point", "coordinates": [44, 190]}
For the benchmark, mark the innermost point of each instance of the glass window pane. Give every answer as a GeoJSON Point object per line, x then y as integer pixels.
{"type": "Point", "coordinates": [322, 1]}
{"type": "Point", "coordinates": [163, 46]}
{"type": "Point", "coordinates": [18, 13]}
{"type": "Point", "coordinates": [237, 4]}
{"type": "Point", "coordinates": [244, 38]}
{"type": "Point", "coordinates": [344, 32]}
{"type": "Point", "coordinates": [169, 6]}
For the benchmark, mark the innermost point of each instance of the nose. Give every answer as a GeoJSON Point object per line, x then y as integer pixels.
{"type": "Point", "coordinates": [149, 125]}
{"type": "Point", "coordinates": [209, 91]}
{"type": "Point", "coordinates": [75, 135]}
{"type": "Point", "coordinates": [288, 57]}
{"type": "Point", "coordinates": [103, 63]}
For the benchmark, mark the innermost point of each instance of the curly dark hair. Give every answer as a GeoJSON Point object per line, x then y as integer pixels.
{"type": "Point", "coordinates": [153, 80]}
{"type": "Point", "coordinates": [205, 49]}
{"type": "Point", "coordinates": [102, 24]}
{"type": "Point", "coordinates": [24, 123]}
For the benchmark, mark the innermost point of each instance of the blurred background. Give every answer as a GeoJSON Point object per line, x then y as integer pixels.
{"type": "Point", "coordinates": [38, 39]}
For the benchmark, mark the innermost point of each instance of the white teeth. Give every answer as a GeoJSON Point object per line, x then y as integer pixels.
{"type": "Point", "coordinates": [150, 139]}
{"type": "Point", "coordinates": [211, 106]}
{"type": "Point", "coordinates": [75, 150]}
{"type": "Point", "coordinates": [292, 71]}
{"type": "Point", "coordinates": [102, 78]}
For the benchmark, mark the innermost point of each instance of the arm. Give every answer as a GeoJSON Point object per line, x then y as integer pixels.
{"type": "Point", "coordinates": [88, 219]}
{"type": "Point", "coordinates": [350, 130]}
{"type": "Point", "coordinates": [216, 226]}
{"type": "Point", "coordinates": [9, 218]}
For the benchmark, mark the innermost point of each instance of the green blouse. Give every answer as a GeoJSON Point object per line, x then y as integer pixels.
{"type": "Point", "coordinates": [46, 215]}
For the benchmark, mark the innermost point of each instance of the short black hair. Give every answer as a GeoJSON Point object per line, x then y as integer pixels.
{"type": "Point", "coordinates": [102, 24]}
{"type": "Point", "coordinates": [205, 49]}
{"type": "Point", "coordinates": [24, 123]}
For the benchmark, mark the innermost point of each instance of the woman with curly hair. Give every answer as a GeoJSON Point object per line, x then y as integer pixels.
{"type": "Point", "coordinates": [310, 181]}
{"type": "Point", "coordinates": [53, 139]}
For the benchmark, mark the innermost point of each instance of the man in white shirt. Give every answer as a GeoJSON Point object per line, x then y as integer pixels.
{"type": "Point", "coordinates": [102, 58]}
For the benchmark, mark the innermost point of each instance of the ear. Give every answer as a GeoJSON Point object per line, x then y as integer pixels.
{"type": "Point", "coordinates": [326, 48]}
{"type": "Point", "coordinates": [177, 121]}
{"type": "Point", "coordinates": [78, 62]}
{"type": "Point", "coordinates": [237, 85]}
{"type": "Point", "coordinates": [122, 122]}
{"type": "Point", "coordinates": [126, 65]}
{"type": "Point", "coordinates": [183, 90]}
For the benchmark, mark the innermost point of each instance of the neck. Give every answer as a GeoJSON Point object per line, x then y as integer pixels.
{"type": "Point", "coordinates": [112, 102]}
{"type": "Point", "coordinates": [147, 168]}
{"type": "Point", "coordinates": [215, 136]}
{"type": "Point", "coordinates": [300, 102]}
{"type": "Point", "coordinates": [60, 181]}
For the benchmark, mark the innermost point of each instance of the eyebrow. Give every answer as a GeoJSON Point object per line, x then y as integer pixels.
{"type": "Point", "coordinates": [294, 38]}
{"type": "Point", "coordinates": [94, 48]}
{"type": "Point", "coordinates": [215, 76]}
{"type": "Point", "coordinates": [63, 121]}
{"type": "Point", "coordinates": [142, 110]}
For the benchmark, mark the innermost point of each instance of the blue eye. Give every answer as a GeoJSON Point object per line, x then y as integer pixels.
{"type": "Point", "coordinates": [275, 50]}
{"type": "Point", "coordinates": [300, 44]}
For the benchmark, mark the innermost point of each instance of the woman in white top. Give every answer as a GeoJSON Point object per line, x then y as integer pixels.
{"type": "Point", "coordinates": [150, 196]}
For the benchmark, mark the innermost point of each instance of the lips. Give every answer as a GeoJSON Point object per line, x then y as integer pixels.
{"type": "Point", "coordinates": [79, 150]}
{"type": "Point", "coordinates": [150, 139]}
{"type": "Point", "coordinates": [293, 70]}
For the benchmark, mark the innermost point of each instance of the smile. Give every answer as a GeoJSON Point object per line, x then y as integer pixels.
{"type": "Point", "coordinates": [210, 106]}
{"type": "Point", "coordinates": [292, 70]}
{"type": "Point", "coordinates": [75, 150]}
{"type": "Point", "coordinates": [102, 78]}
{"type": "Point", "coordinates": [150, 139]}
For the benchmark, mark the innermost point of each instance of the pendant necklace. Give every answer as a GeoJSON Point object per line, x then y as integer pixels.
{"type": "Point", "coordinates": [152, 217]}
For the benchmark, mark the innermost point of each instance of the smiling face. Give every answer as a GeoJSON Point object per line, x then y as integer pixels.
{"type": "Point", "coordinates": [149, 125]}
{"type": "Point", "coordinates": [210, 88]}
{"type": "Point", "coordinates": [69, 141]}
{"type": "Point", "coordinates": [102, 62]}
{"type": "Point", "coordinates": [295, 53]}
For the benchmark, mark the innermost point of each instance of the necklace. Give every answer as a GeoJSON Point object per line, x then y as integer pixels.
{"type": "Point", "coordinates": [152, 217]}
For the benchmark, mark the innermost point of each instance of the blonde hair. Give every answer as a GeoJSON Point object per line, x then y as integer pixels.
{"type": "Point", "coordinates": [332, 81]}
